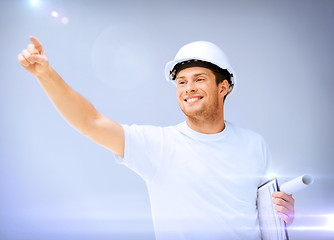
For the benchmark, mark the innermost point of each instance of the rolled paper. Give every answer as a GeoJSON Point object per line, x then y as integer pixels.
{"type": "Point", "coordinates": [296, 184]}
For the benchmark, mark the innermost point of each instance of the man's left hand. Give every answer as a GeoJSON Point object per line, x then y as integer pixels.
{"type": "Point", "coordinates": [284, 204]}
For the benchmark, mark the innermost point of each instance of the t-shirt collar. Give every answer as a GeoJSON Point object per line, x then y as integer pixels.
{"type": "Point", "coordinates": [186, 130]}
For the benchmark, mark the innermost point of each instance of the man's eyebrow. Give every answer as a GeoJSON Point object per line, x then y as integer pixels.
{"type": "Point", "coordinates": [195, 75]}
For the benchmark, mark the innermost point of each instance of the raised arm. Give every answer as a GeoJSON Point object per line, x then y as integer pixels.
{"type": "Point", "coordinates": [76, 110]}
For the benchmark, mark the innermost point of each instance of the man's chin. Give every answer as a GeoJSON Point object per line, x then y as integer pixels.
{"type": "Point", "coordinates": [192, 114]}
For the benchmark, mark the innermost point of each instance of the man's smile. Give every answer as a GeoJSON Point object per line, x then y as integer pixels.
{"type": "Point", "coordinates": [192, 99]}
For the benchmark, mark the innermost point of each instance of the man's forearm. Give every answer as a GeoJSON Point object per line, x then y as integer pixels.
{"type": "Point", "coordinates": [76, 110]}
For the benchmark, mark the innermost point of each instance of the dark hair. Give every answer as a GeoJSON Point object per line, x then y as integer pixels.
{"type": "Point", "coordinates": [220, 74]}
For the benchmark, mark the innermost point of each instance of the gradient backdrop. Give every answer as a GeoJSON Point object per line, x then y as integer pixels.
{"type": "Point", "coordinates": [57, 184]}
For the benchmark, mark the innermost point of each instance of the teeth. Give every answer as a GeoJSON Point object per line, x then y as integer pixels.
{"type": "Point", "coordinates": [192, 99]}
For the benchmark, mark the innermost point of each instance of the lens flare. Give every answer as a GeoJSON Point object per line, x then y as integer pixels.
{"type": "Point", "coordinates": [325, 222]}
{"type": "Point", "coordinates": [34, 3]}
{"type": "Point", "coordinates": [64, 20]}
{"type": "Point", "coordinates": [54, 14]}
{"type": "Point", "coordinates": [330, 223]}
{"type": "Point", "coordinates": [271, 175]}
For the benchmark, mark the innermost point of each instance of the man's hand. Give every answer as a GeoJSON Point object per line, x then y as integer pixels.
{"type": "Point", "coordinates": [284, 204]}
{"type": "Point", "coordinates": [33, 58]}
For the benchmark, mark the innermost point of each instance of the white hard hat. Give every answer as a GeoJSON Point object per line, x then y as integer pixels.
{"type": "Point", "coordinates": [203, 51]}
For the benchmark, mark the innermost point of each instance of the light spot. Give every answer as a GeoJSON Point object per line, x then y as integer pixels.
{"type": "Point", "coordinates": [54, 14]}
{"type": "Point", "coordinates": [34, 3]}
{"type": "Point", "coordinates": [64, 20]}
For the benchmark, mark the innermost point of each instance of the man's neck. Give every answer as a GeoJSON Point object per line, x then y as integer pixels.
{"type": "Point", "coordinates": [211, 126]}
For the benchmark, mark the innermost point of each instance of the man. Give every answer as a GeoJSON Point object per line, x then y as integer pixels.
{"type": "Point", "coordinates": [202, 175]}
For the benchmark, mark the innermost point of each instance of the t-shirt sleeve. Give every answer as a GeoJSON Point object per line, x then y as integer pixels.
{"type": "Point", "coordinates": [142, 149]}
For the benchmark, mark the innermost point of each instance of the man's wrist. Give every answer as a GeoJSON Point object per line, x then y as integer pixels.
{"type": "Point", "coordinates": [45, 74]}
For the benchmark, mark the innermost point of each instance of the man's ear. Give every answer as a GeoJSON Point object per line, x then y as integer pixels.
{"type": "Point", "coordinates": [224, 87]}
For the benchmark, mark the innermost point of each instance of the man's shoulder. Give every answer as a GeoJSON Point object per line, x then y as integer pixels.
{"type": "Point", "coordinates": [245, 132]}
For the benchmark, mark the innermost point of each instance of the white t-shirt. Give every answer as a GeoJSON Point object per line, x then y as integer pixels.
{"type": "Point", "coordinates": [201, 186]}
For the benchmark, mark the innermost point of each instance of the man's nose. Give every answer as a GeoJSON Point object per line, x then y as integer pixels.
{"type": "Point", "coordinates": [191, 87]}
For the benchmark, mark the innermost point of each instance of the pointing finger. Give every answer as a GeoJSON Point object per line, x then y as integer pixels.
{"type": "Point", "coordinates": [36, 43]}
{"type": "Point", "coordinates": [31, 48]}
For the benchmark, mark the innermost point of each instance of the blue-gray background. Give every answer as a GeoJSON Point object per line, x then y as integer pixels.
{"type": "Point", "coordinates": [57, 184]}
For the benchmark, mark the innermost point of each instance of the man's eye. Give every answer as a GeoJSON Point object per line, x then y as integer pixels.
{"type": "Point", "coordinates": [181, 82]}
{"type": "Point", "coordinates": [199, 79]}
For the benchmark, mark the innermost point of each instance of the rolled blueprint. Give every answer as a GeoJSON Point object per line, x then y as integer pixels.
{"type": "Point", "coordinates": [296, 184]}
